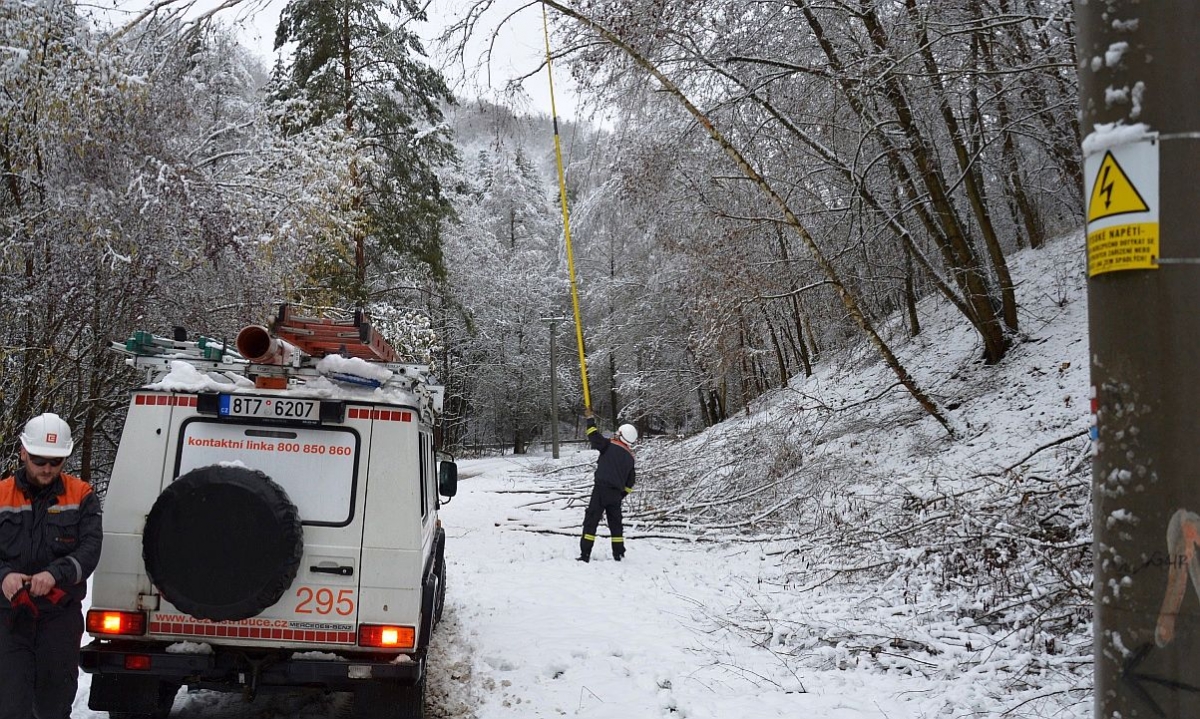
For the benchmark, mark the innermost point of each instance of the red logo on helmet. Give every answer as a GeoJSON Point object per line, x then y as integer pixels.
{"type": "Point", "coordinates": [52, 438]}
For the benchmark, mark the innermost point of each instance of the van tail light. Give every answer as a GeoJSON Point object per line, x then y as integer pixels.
{"type": "Point", "coordinates": [137, 662]}
{"type": "Point", "coordinates": [109, 622]}
{"type": "Point", "coordinates": [387, 636]}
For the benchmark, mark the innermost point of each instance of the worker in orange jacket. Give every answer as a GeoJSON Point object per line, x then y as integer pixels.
{"type": "Point", "coordinates": [50, 537]}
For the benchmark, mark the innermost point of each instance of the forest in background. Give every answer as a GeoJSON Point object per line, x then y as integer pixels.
{"type": "Point", "coordinates": [773, 180]}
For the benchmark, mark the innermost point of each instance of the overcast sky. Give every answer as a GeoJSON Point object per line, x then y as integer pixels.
{"type": "Point", "coordinates": [519, 48]}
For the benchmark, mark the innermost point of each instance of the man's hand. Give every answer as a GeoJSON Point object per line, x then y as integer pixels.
{"type": "Point", "coordinates": [41, 583]}
{"type": "Point", "coordinates": [12, 584]}
{"type": "Point", "coordinates": [587, 412]}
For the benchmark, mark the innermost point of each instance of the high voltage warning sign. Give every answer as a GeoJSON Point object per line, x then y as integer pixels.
{"type": "Point", "coordinates": [1112, 192]}
{"type": "Point", "coordinates": [1122, 210]}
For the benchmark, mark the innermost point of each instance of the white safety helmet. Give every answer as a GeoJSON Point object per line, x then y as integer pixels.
{"type": "Point", "coordinates": [47, 435]}
{"type": "Point", "coordinates": [627, 433]}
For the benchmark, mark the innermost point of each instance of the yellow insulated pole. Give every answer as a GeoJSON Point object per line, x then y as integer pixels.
{"type": "Point", "coordinates": [562, 193]}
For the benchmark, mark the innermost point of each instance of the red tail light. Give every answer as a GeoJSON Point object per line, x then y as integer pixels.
{"type": "Point", "coordinates": [386, 636]}
{"type": "Point", "coordinates": [113, 623]}
{"type": "Point", "coordinates": [139, 662]}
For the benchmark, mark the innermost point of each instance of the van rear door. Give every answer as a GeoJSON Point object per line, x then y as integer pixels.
{"type": "Point", "coordinates": [318, 466]}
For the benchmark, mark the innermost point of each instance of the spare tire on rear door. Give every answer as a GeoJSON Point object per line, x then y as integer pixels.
{"type": "Point", "coordinates": [223, 542]}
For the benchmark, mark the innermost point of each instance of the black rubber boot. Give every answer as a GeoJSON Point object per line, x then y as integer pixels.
{"type": "Point", "coordinates": [583, 558]}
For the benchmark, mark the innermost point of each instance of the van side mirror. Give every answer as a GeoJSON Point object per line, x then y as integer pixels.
{"type": "Point", "coordinates": [447, 478]}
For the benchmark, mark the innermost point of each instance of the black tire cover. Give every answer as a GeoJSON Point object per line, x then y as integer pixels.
{"type": "Point", "coordinates": [223, 542]}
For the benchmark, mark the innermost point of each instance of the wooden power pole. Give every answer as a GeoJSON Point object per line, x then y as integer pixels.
{"type": "Point", "coordinates": [1140, 102]}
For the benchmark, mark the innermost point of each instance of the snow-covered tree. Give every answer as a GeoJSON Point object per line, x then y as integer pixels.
{"type": "Point", "coordinates": [505, 276]}
{"type": "Point", "coordinates": [358, 65]}
{"type": "Point", "coordinates": [146, 187]}
{"type": "Point", "coordinates": [883, 137]}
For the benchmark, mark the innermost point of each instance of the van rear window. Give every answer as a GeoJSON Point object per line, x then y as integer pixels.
{"type": "Point", "coordinates": [316, 466]}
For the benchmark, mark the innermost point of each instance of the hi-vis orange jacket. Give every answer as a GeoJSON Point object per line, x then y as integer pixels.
{"type": "Point", "coordinates": [56, 529]}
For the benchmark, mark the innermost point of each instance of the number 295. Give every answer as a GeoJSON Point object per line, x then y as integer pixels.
{"type": "Point", "coordinates": [324, 601]}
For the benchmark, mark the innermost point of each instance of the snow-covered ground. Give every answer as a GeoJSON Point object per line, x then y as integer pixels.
{"type": "Point", "coordinates": [832, 554]}
{"type": "Point", "coordinates": [530, 632]}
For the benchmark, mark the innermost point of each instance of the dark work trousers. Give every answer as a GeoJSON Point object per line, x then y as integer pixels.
{"type": "Point", "coordinates": [39, 663]}
{"type": "Point", "coordinates": [606, 502]}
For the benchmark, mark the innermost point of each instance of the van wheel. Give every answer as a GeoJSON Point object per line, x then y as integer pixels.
{"type": "Point", "coordinates": [440, 567]}
{"type": "Point", "coordinates": [440, 601]}
{"type": "Point", "coordinates": [390, 701]}
{"type": "Point", "coordinates": [223, 542]}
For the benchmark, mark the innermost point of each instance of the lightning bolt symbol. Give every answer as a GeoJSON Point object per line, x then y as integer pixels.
{"type": "Point", "coordinates": [1106, 188]}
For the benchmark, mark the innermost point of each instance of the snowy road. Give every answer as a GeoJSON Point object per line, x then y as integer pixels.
{"type": "Point", "coordinates": [530, 632]}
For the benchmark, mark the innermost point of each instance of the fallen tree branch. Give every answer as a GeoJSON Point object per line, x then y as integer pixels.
{"type": "Point", "coordinates": [1026, 458]}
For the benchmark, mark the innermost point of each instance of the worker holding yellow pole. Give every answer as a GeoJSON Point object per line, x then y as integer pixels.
{"type": "Point", "coordinates": [615, 474]}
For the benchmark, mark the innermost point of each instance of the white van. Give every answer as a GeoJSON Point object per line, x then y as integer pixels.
{"type": "Point", "coordinates": [271, 525]}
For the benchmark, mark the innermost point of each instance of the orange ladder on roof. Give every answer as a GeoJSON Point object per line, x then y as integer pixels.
{"type": "Point", "coordinates": [320, 337]}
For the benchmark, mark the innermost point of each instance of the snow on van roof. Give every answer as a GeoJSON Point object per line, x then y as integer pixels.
{"type": "Point", "coordinates": [328, 389]}
{"type": "Point", "coordinates": [186, 377]}
{"type": "Point", "coordinates": [353, 366]}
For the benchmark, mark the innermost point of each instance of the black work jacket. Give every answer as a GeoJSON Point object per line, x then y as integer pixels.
{"type": "Point", "coordinates": [54, 529]}
{"type": "Point", "coordinates": [615, 474]}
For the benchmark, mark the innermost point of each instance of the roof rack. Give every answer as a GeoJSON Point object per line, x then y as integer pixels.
{"type": "Point", "coordinates": [148, 343]}
{"type": "Point", "coordinates": [314, 339]}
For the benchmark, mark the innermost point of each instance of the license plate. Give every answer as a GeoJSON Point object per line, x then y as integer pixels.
{"type": "Point", "coordinates": [305, 410]}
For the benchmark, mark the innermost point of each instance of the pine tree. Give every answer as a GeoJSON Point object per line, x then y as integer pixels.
{"type": "Point", "coordinates": [356, 63]}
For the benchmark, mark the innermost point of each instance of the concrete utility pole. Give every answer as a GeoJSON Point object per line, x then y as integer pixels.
{"type": "Point", "coordinates": [553, 322]}
{"type": "Point", "coordinates": [1137, 68]}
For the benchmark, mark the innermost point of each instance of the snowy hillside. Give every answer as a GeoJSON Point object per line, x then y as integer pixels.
{"type": "Point", "coordinates": [833, 554]}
